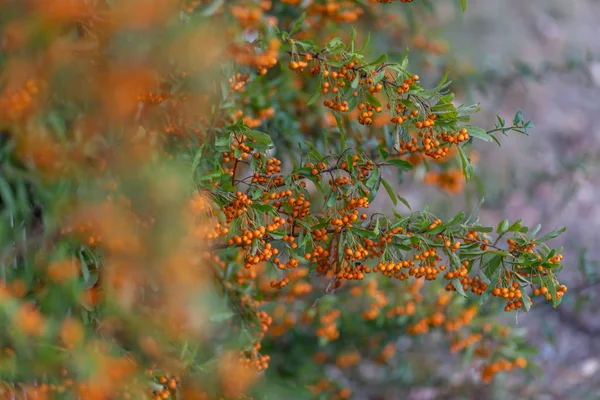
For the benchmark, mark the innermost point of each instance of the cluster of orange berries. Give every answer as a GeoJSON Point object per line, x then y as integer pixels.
{"type": "Point", "coordinates": [16, 104]}
{"type": "Point", "coordinates": [325, 387]}
{"type": "Point", "coordinates": [237, 206]}
{"type": "Point", "coordinates": [473, 237]}
{"type": "Point", "coordinates": [436, 47]}
{"type": "Point", "coordinates": [247, 17]}
{"type": "Point", "coordinates": [263, 114]}
{"type": "Point", "coordinates": [263, 254]}
{"type": "Point", "coordinates": [280, 284]}
{"type": "Point", "coordinates": [153, 98]}
{"type": "Point", "coordinates": [543, 291]}
{"type": "Point", "coordinates": [513, 246]}
{"type": "Point", "coordinates": [273, 166]}
{"type": "Point", "coordinates": [391, 269]}
{"type": "Point", "coordinates": [340, 181]}
{"type": "Point", "coordinates": [300, 64]}
{"type": "Point", "coordinates": [238, 82]}
{"type": "Point", "coordinates": [335, 10]}
{"type": "Point", "coordinates": [388, 351]}
{"type": "Point", "coordinates": [512, 294]}
{"type": "Point", "coordinates": [459, 345]}
{"type": "Point", "coordinates": [406, 84]}
{"type": "Point", "coordinates": [346, 360]}
{"type": "Point", "coordinates": [85, 231]}
{"type": "Point", "coordinates": [401, 117]}
{"type": "Point", "coordinates": [465, 318]}
{"type": "Point", "coordinates": [351, 271]}
{"type": "Point", "coordinates": [456, 137]}
{"type": "Point", "coordinates": [366, 113]}
{"type": "Point", "coordinates": [238, 142]}
{"type": "Point", "coordinates": [329, 328]}
{"type": "Point", "coordinates": [434, 224]}
{"type": "Point", "coordinates": [451, 180]}
{"type": "Point", "coordinates": [252, 358]}
{"type": "Point", "coordinates": [379, 301]}
{"type": "Point", "coordinates": [315, 169]}
{"type": "Point", "coordinates": [490, 370]}
{"type": "Point", "coordinates": [169, 389]}
{"type": "Point", "coordinates": [476, 285]}
{"type": "Point", "coordinates": [300, 206]}
{"type": "Point", "coordinates": [408, 309]}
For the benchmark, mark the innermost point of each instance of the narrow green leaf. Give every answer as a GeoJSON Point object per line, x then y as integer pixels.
{"type": "Point", "coordinates": [458, 286]}
{"type": "Point", "coordinates": [551, 235]}
{"type": "Point", "coordinates": [405, 202]}
{"type": "Point", "coordinates": [363, 233]}
{"type": "Point", "coordinates": [389, 190]}
{"type": "Point", "coordinates": [401, 164]}
{"type": "Point", "coordinates": [298, 24]}
{"type": "Point", "coordinates": [314, 97]}
{"type": "Point", "coordinates": [260, 137]}
{"type": "Point", "coordinates": [466, 163]}
{"type": "Point", "coordinates": [262, 207]}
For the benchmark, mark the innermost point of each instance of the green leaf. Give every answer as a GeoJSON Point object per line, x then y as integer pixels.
{"type": "Point", "coordinates": [263, 207]}
{"type": "Point", "coordinates": [314, 97]}
{"type": "Point", "coordinates": [515, 226]}
{"type": "Point", "coordinates": [482, 228]}
{"type": "Point", "coordinates": [298, 24]}
{"type": "Point", "coordinates": [331, 200]}
{"type": "Point", "coordinates": [366, 43]}
{"type": "Point", "coordinates": [313, 151]}
{"type": "Point", "coordinates": [223, 141]}
{"type": "Point", "coordinates": [526, 299]}
{"type": "Point", "coordinates": [473, 215]}
{"type": "Point", "coordinates": [463, 4]}
{"type": "Point", "coordinates": [551, 235]}
{"type": "Point", "coordinates": [466, 163]}
{"type": "Point", "coordinates": [7, 195]}
{"type": "Point", "coordinates": [502, 227]}
{"type": "Point", "coordinates": [259, 136]}
{"type": "Point", "coordinates": [458, 286]}
{"type": "Point", "coordinates": [390, 191]}
{"type": "Point", "coordinates": [457, 218]}
{"type": "Point", "coordinates": [534, 231]}
{"type": "Point", "coordinates": [478, 133]}
{"type": "Point", "coordinates": [401, 164]}
{"type": "Point", "coordinates": [373, 100]}
{"type": "Point", "coordinates": [381, 59]}
{"type": "Point", "coordinates": [338, 120]}
{"type": "Point", "coordinates": [363, 233]}
{"type": "Point", "coordinates": [405, 202]}
{"type": "Point", "coordinates": [197, 158]}
{"type": "Point", "coordinates": [349, 163]}
{"type": "Point", "coordinates": [355, 81]}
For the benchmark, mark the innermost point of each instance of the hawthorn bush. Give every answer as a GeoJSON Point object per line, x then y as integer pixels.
{"type": "Point", "coordinates": [193, 201]}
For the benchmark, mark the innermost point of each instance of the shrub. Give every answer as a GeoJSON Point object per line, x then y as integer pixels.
{"type": "Point", "coordinates": [186, 199]}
